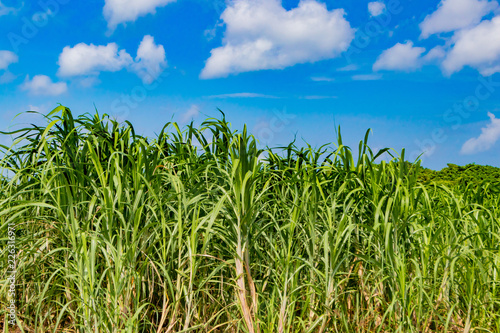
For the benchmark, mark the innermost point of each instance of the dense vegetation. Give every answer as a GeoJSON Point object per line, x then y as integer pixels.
{"type": "Point", "coordinates": [119, 233]}
{"type": "Point", "coordinates": [462, 175]}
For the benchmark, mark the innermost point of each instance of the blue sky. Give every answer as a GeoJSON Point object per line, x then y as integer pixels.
{"type": "Point", "coordinates": [423, 75]}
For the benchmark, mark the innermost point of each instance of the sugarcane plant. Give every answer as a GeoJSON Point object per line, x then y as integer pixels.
{"type": "Point", "coordinates": [202, 229]}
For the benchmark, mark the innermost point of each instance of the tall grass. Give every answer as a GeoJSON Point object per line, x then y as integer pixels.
{"type": "Point", "coordinates": [116, 232]}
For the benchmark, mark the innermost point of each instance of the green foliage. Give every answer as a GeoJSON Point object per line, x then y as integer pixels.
{"type": "Point", "coordinates": [115, 232]}
{"type": "Point", "coordinates": [470, 174]}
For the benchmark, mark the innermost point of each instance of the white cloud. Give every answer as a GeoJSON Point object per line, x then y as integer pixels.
{"type": "Point", "coordinates": [4, 10]}
{"type": "Point", "coordinates": [212, 32]}
{"type": "Point", "coordinates": [319, 97]}
{"type": "Point", "coordinates": [242, 95]}
{"type": "Point", "coordinates": [34, 108]}
{"type": "Point", "coordinates": [438, 53]}
{"type": "Point", "coordinates": [376, 8]}
{"type": "Point", "coordinates": [478, 47]}
{"type": "Point", "coordinates": [7, 58]}
{"type": "Point", "coordinates": [261, 34]}
{"type": "Point", "coordinates": [120, 11]}
{"type": "Point", "coordinates": [488, 137]}
{"type": "Point", "coordinates": [42, 108]}
{"type": "Point", "coordinates": [322, 79]}
{"type": "Point", "coordinates": [348, 68]}
{"type": "Point", "coordinates": [400, 57]}
{"type": "Point", "coordinates": [366, 77]}
{"type": "Point", "coordinates": [89, 60]}
{"type": "Point", "coordinates": [453, 15]}
{"type": "Point", "coordinates": [43, 85]}
{"type": "Point", "coordinates": [191, 113]}
{"type": "Point", "coordinates": [150, 61]}
{"type": "Point", "coordinates": [83, 59]}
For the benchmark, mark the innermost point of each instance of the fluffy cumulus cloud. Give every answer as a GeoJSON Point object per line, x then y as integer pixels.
{"type": "Point", "coordinates": [453, 15]}
{"type": "Point", "coordinates": [261, 34]}
{"type": "Point", "coordinates": [120, 11]}
{"type": "Point", "coordinates": [150, 61]}
{"type": "Point", "coordinates": [478, 47]}
{"type": "Point", "coordinates": [488, 137]}
{"type": "Point", "coordinates": [83, 59]}
{"type": "Point", "coordinates": [90, 60]}
{"type": "Point", "coordinates": [376, 8]}
{"type": "Point", "coordinates": [6, 59]}
{"type": "Point", "coordinates": [43, 85]}
{"type": "Point", "coordinates": [400, 57]}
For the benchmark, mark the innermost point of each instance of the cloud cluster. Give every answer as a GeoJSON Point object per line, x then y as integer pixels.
{"type": "Point", "coordinates": [478, 47]}
{"type": "Point", "coordinates": [43, 85]}
{"type": "Point", "coordinates": [488, 137]}
{"type": "Point", "coordinates": [89, 60]}
{"type": "Point", "coordinates": [84, 59]}
{"type": "Point", "coordinates": [475, 42]}
{"type": "Point", "coordinates": [261, 34]}
{"type": "Point", "coordinates": [121, 11]}
{"type": "Point", "coordinates": [453, 15]}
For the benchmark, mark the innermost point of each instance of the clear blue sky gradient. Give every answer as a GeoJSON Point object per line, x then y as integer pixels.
{"type": "Point", "coordinates": [405, 109]}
